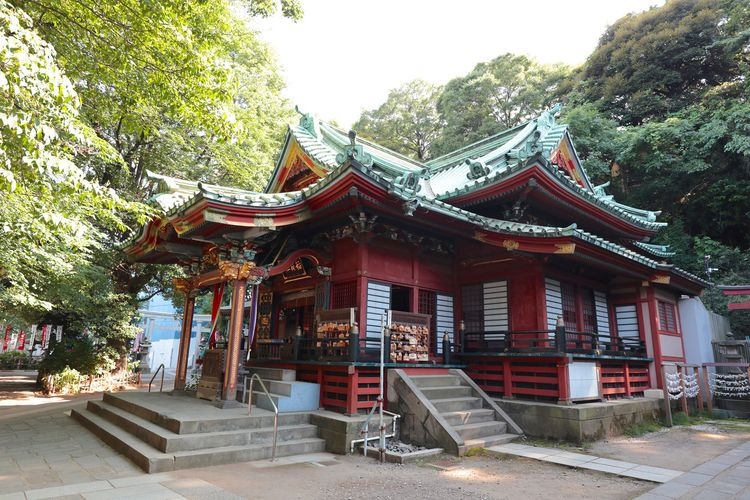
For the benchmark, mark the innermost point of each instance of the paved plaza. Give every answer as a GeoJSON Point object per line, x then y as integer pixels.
{"type": "Point", "coordinates": [46, 454]}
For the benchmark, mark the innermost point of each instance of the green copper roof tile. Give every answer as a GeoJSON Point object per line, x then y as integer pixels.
{"type": "Point", "coordinates": [657, 250]}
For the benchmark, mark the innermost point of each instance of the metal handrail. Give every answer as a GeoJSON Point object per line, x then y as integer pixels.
{"type": "Point", "coordinates": [366, 428]}
{"type": "Point", "coordinates": [160, 369]}
{"type": "Point", "coordinates": [253, 378]}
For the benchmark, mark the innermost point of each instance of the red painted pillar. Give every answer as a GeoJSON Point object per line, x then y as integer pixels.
{"type": "Point", "coordinates": [229, 388]}
{"type": "Point", "coordinates": [562, 381]}
{"type": "Point", "coordinates": [184, 348]}
{"type": "Point", "coordinates": [626, 368]}
{"type": "Point", "coordinates": [507, 378]}
{"type": "Point", "coordinates": [352, 390]}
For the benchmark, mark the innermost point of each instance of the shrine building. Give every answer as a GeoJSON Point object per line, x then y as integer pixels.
{"type": "Point", "coordinates": [500, 259]}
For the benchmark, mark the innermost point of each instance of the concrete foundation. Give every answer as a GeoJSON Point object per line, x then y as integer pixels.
{"type": "Point", "coordinates": [340, 430]}
{"type": "Point", "coordinates": [581, 422]}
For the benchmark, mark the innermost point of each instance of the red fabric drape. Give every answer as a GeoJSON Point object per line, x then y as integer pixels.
{"type": "Point", "coordinates": [215, 306]}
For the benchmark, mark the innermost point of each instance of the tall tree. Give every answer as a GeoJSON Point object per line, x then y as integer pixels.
{"type": "Point", "coordinates": [495, 96]}
{"type": "Point", "coordinates": [660, 61]}
{"type": "Point", "coordinates": [407, 122]}
{"type": "Point", "coordinates": [179, 87]}
{"type": "Point", "coordinates": [53, 214]}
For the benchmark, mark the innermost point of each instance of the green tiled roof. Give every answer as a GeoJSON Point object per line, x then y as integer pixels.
{"type": "Point", "coordinates": [657, 250]}
{"type": "Point", "coordinates": [190, 193]}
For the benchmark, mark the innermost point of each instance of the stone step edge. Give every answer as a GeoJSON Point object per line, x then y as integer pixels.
{"type": "Point", "coordinates": [139, 452]}
{"type": "Point", "coordinates": [166, 435]}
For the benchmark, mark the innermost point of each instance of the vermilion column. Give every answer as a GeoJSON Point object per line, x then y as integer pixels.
{"type": "Point", "coordinates": [184, 286]}
{"type": "Point", "coordinates": [229, 388]}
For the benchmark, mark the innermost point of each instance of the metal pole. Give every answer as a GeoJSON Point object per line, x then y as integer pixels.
{"type": "Point", "coordinates": [380, 395]}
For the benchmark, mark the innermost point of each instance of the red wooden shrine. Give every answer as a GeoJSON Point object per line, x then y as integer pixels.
{"type": "Point", "coordinates": [500, 258]}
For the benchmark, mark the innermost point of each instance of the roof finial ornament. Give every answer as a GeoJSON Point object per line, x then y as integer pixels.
{"type": "Point", "coordinates": [546, 120]}
{"type": "Point", "coordinates": [599, 191]}
{"type": "Point", "coordinates": [354, 152]}
{"type": "Point", "coordinates": [308, 122]}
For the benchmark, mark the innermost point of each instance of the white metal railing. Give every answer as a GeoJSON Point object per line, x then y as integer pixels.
{"type": "Point", "coordinates": [253, 378]}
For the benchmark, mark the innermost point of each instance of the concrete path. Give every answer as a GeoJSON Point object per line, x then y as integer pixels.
{"type": "Point", "coordinates": [582, 461]}
{"type": "Point", "coordinates": [724, 477]}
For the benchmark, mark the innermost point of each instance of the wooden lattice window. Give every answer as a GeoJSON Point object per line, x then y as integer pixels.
{"type": "Point", "coordinates": [569, 307]}
{"type": "Point", "coordinates": [588, 309]}
{"type": "Point", "coordinates": [667, 321]}
{"type": "Point", "coordinates": [472, 307]}
{"type": "Point", "coordinates": [343, 294]}
{"type": "Point", "coordinates": [428, 305]}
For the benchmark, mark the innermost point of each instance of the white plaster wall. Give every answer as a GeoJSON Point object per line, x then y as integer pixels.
{"type": "Point", "coordinates": [671, 346]}
{"type": "Point", "coordinates": [696, 331]}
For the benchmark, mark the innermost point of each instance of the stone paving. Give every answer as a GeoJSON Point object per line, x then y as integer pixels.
{"type": "Point", "coordinates": [583, 461]}
{"type": "Point", "coordinates": [724, 477]}
{"type": "Point", "coordinates": [46, 454]}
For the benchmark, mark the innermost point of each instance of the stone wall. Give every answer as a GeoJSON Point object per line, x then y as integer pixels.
{"type": "Point", "coordinates": [581, 422]}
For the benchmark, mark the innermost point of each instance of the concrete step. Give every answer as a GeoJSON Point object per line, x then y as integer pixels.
{"type": "Point", "coordinates": [444, 392]}
{"type": "Point", "coordinates": [303, 396]}
{"type": "Point", "coordinates": [456, 404]}
{"type": "Point", "coordinates": [272, 374]}
{"type": "Point", "coordinates": [144, 456]}
{"type": "Point", "coordinates": [435, 380]}
{"type": "Point", "coordinates": [480, 429]}
{"type": "Point", "coordinates": [152, 460]}
{"type": "Point", "coordinates": [278, 387]}
{"type": "Point", "coordinates": [234, 454]}
{"type": "Point", "coordinates": [170, 442]}
{"type": "Point", "coordinates": [469, 416]}
{"type": "Point", "coordinates": [187, 423]}
{"type": "Point", "coordinates": [488, 441]}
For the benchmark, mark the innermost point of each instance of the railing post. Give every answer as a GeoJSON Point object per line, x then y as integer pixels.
{"type": "Point", "coordinates": [462, 335]}
{"type": "Point", "coordinates": [667, 401]}
{"type": "Point", "coordinates": [561, 343]}
{"type": "Point", "coordinates": [709, 396]}
{"type": "Point", "coordinates": [297, 341]}
{"type": "Point", "coordinates": [446, 349]}
{"type": "Point", "coordinates": [354, 343]}
{"type": "Point", "coordinates": [387, 345]}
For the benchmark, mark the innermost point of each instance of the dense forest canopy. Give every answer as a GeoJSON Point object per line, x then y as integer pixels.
{"type": "Point", "coordinates": [660, 110]}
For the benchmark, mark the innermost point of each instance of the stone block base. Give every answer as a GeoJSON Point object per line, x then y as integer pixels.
{"type": "Point", "coordinates": [581, 422]}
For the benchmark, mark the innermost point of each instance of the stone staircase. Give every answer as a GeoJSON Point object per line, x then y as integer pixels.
{"type": "Point", "coordinates": [162, 432]}
{"type": "Point", "coordinates": [287, 393]}
{"type": "Point", "coordinates": [456, 414]}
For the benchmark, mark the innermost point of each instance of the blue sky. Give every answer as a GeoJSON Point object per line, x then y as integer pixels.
{"type": "Point", "coordinates": [345, 55]}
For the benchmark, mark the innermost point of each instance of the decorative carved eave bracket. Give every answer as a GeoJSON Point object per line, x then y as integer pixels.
{"type": "Point", "coordinates": [231, 271]}
{"type": "Point", "coordinates": [185, 286]}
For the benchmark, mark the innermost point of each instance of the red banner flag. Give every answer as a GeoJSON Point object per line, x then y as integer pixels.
{"type": "Point", "coordinates": [21, 340]}
{"type": "Point", "coordinates": [6, 338]}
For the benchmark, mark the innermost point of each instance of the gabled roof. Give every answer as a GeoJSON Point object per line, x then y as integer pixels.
{"type": "Point", "coordinates": [474, 169]}
{"type": "Point", "coordinates": [266, 210]}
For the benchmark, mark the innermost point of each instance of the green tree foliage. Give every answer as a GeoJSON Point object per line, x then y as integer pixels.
{"type": "Point", "coordinates": [49, 201]}
{"type": "Point", "coordinates": [663, 99]}
{"type": "Point", "coordinates": [407, 121]}
{"type": "Point", "coordinates": [651, 64]}
{"type": "Point", "coordinates": [495, 96]}
{"type": "Point", "coordinates": [179, 87]}
{"type": "Point", "coordinates": [94, 94]}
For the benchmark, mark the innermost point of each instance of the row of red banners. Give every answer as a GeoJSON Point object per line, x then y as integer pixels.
{"type": "Point", "coordinates": [21, 340]}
